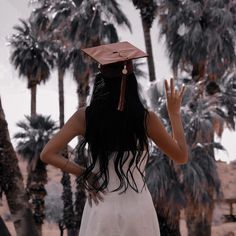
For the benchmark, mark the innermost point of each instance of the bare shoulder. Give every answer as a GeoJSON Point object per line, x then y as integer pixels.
{"type": "Point", "coordinates": [80, 114]}
{"type": "Point", "coordinates": [75, 125]}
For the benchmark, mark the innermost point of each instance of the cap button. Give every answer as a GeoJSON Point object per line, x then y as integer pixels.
{"type": "Point", "coordinates": [124, 71]}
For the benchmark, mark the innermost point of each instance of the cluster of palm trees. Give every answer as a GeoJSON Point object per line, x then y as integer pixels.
{"type": "Point", "coordinates": [200, 38]}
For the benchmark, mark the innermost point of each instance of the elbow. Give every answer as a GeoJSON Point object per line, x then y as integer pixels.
{"type": "Point", "coordinates": [183, 159]}
{"type": "Point", "coordinates": [179, 159]}
{"type": "Point", "coordinates": [183, 156]}
{"type": "Point", "coordinates": [43, 156]}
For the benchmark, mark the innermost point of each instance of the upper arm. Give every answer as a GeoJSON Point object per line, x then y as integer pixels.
{"type": "Point", "coordinates": [157, 132]}
{"type": "Point", "coordinates": [75, 126]}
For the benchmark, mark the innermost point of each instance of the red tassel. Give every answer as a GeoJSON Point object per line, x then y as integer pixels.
{"type": "Point", "coordinates": [122, 93]}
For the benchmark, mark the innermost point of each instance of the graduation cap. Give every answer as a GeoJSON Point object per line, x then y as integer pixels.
{"type": "Point", "coordinates": [116, 53]}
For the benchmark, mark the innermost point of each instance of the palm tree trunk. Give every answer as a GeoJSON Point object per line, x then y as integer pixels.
{"type": "Point", "coordinates": [148, 43]}
{"type": "Point", "coordinates": [61, 74]}
{"type": "Point", "coordinates": [37, 178]}
{"type": "Point", "coordinates": [82, 95]}
{"type": "Point", "coordinates": [167, 228]}
{"type": "Point", "coordinates": [208, 211]}
{"type": "Point", "coordinates": [80, 197]}
{"type": "Point", "coordinates": [3, 228]}
{"type": "Point", "coordinates": [82, 98]}
{"type": "Point", "coordinates": [194, 221]}
{"type": "Point", "coordinates": [33, 99]}
{"type": "Point", "coordinates": [199, 222]}
{"type": "Point", "coordinates": [208, 218]}
{"type": "Point", "coordinates": [13, 185]}
{"type": "Point", "coordinates": [67, 195]}
{"type": "Point", "coordinates": [198, 72]}
{"type": "Point", "coordinates": [199, 219]}
{"type": "Point", "coordinates": [83, 88]}
{"type": "Point", "coordinates": [68, 210]}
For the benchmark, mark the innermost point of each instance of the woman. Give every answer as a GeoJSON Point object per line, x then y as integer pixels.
{"type": "Point", "coordinates": [116, 128]}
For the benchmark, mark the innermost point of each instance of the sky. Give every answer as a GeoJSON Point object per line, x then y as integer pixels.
{"type": "Point", "coordinates": [16, 97]}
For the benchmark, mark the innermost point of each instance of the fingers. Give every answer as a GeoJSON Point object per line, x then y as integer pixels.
{"type": "Point", "coordinates": [171, 91]}
{"type": "Point", "coordinates": [90, 200]}
{"type": "Point", "coordinates": [176, 92]}
{"type": "Point", "coordinates": [166, 86]}
{"type": "Point", "coordinates": [99, 196]}
{"type": "Point", "coordinates": [94, 197]}
{"type": "Point", "coordinates": [182, 91]}
{"type": "Point", "coordinates": [172, 87]}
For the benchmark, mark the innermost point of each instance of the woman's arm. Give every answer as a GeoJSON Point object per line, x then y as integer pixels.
{"type": "Point", "coordinates": [50, 154]}
{"type": "Point", "coordinates": [174, 147]}
{"type": "Point", "coordinates": [75, 126]}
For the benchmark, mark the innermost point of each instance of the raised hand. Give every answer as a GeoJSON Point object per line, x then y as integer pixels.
{"type": "Point", "coordinates": [174, 97]}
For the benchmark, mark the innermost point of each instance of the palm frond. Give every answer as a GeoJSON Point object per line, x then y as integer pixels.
{"type": "Point", "coordinates": [29, 55]}
{"type": "Point", "coordinates": [138, 71]}
{"type": "Point", "coordinates": [35, 133]}
{"type": "Point", "coordinates": [113, 11]}
{"type": "Point", "coordinates": [109, 33]}
{"type": "Point", "coordinates": [196, 31]}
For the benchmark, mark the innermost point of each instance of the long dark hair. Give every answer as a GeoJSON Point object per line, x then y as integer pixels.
{"type": "Point", "coordinates": [113, 133]}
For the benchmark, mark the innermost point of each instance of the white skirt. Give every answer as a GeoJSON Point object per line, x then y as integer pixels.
{"type": "Point", "coordinates": [127, 214]}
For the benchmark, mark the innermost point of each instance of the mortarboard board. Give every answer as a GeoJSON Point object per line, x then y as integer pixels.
{"type": "Point", "coordinates": [113, 53]}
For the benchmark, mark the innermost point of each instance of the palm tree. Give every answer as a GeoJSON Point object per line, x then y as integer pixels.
{"type": "Point", "coordinates": [199, 34]}
{"type": "Point", "coordinates": [12, 185]}
{"type": "Point", "coordinates": [161, 176]}
{"type": "Point", "coordinates": [148, 9]}
{"type": "Point", "coordinates": [62, 65]}
{"type": "Point", "coordinates": [58, 46]}
{"type": "Point", "coordinates": [35, 133]}
{"type": "Point", "coordinates": [207, 115]}
{"type": "Point", "coordinates": [197, 183]}
{"type": "Point", "coordinates": [201, 172]}
{"type": "Point", "coordinates": [31, 58]}
{"type": "Point", "coordinates": [62, 62]}
{"type": "Point", "coordinates": [166, 191]}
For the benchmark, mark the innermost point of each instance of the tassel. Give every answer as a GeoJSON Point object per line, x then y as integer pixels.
{"type": "Point", "coordinates": [122, 90]}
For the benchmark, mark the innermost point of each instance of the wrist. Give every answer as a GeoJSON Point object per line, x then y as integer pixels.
{"type": "Point", "coordinates": [174, 114]}
{"type": "Point", "coordinates": [63, 168]}
{"type": "Point", "coordinates": [81, 170]}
